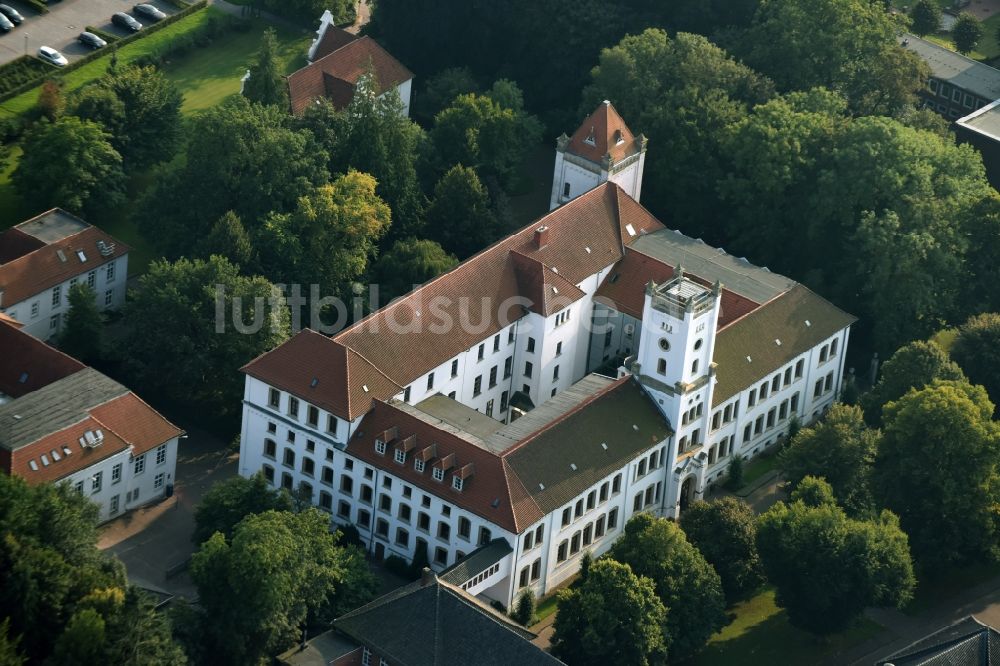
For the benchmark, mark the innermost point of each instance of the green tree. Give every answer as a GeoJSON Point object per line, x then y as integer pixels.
{"type": "Point", "coordinates": [460, 217]}
{"type": "Point", "coordinates": [966, 32]}
{"type": "Point", "coordinates": [247, 159]}
{"type": "Point", "coordinates": [208, 316]}
{"type": "Point", "coordinates": [478, 131]}
{"type": "Point", "coordinates": [925, 17]}
{"type": "Point", "coordinates": [81, 336]}
{"type": "Point", "coordinates": [734, 473]}
{"type": "Point", "coordinates": [613, 617]}
{"type": "Point", "coordinates": [329, 238]}
{"type": "Point", "coordinates": [229, 239]}
{"type": "Point", "coordinates": [828, 568]}
{"type": "Point", "coordinates": [912, 366]}
{"type": "Point", "coordinates": [840, 449]}
{"type": "Point", "coordinates": [279, 571]}
{"type": "Point", "coordinates": [725, 532]}
{"type": "Point", "coordinates": [937, 468]}
{"type": "Point", "coordinates": [442, 89]}
{"type": "Point", "coordinates": [266, 85]}
{"type": "Point", "coordinates": [51, 102]}
{"type": "Point", "coordinates": [976, 349]}
{"type": "Point", "coordinates": [70, 163]}
{"type": "Point", "coordinates": [228, 502]}
{"type": "Point", "coordinates": [685, 582]}
{"type": "Point", "coordinates": [9, 654]}
{"type": "Point", "coordinates": [98, 103]}
{"type": "Point", "coordinates": [409, 262]}
{"type": "Point", "coordinates": [151, 131]}
{"type": "Point", "coordinates": [524, 608]}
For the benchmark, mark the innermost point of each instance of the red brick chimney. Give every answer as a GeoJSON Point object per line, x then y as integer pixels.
{"type": "Point", "coordinates": [541, 237]}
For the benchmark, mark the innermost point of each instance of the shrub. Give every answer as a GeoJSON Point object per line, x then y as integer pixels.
{"type": "Point", "coordinates": [38, 6]}
{"type": "Point", "coordinates": [106, 36]}
{"type": "Point", "coordinates": [397, 565]}
{"type": "Point", "coordinates": [22, 70]}
{"type": "Point", "coordinates": [735, 473]}
{"type": "Point", "coordinates": [524, 608]}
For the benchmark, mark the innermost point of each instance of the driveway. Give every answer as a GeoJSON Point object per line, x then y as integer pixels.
{"type": "Point", "coordinates": [60, 27]}
{"type": "Point", "coordinates": [155, 539]}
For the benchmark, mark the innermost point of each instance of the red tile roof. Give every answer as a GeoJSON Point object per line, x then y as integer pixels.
{"type": "Point", "coordinates": [14, 243]}
{"type": "Point", "coordinates": [602, 133]}
{"type": "Point", "coordinates": [548, 291]}
{"type": "Point", "coordinates": [79, 457]}
{"type": "Point", "coordinates": [401, 343]}
{"type": "Point", "coordinates": [29, 359]}
{"type": "Point", "coordinates": [42, 268]}
{"type": "Point", "coordinates": [337, 73]}
{"type": "Point", "coordinates": [625, 288]}
{"type": "Point", "coordinates": [333, 38]}
{"type": "Point", "coordinates": [135, 422]}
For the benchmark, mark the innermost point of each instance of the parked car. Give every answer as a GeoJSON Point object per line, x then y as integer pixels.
{"type": "Point", "coordinates": [5, 24]}
{"type": "Point", "coordinates": [126, 22]}
{"type": "Point", "coordinates": [91, 40]}
{"type": "Point", "coordinates": [49, 54]}
{"type": "Point", "coordinates": [149, 11]}
{"type": "Point", "coordinates": [11, 14]}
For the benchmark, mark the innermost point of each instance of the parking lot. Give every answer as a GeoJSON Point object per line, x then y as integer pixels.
{"type": "Point", "coordinates": [65, 20]}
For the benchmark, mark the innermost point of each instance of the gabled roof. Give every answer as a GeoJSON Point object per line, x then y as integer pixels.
{"type": "Point", "coordinates": [27, 364]}
{"type": "Point", "coordinates": [959, 70]}
{"type": "Point", "coordinates": [333, 38]}
{"type": "Point", "coordinates": [433, 623]}
{"type": "Point", "coordinates": [603, 132]}
{"type": "Point", "coordinates": [746, 351]}
{"type": "Point", "coordinates": [40, 257]}
{"type": "Point", "coordinates": [968, 642]}
{"type": "Point", "coordinates": [548, 291]}
{"type": "Point", "coordinates": [338, 72]}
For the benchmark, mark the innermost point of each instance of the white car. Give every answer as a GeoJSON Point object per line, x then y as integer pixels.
{"type": "Point", "coordinates": [50, 55]}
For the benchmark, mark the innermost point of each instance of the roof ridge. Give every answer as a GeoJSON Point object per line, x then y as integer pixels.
{"type": "Point", "coordinates": [509, 472]}
{"type": "Point", "coordinates": [129, 392]}
{"type": "Point", "coordinates": [483, 609]}
{"type": "Point", "coordinates": [614, 385]}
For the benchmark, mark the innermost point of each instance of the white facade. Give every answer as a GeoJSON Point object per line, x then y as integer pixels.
{"type": "Point", "coordinates": [573, 175]}
{"type": "Point", "coordinates": [124, 481]}
{"type": "Point", "coordinates": [43, 313]}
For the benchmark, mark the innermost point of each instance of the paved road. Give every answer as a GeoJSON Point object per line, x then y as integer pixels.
{"type": "Point", "coordinates": [149, 541]}
{"type": "Point", "coordinates": [63, 23]}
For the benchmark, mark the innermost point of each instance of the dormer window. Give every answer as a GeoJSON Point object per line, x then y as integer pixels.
{"type": "Point", "coordinates": [400, 456]}
{"type": "Point", "coordinates": [590, 138]}
{"type": "Point", "coordinates": [380, 447]}
{"type": "Point", "coordinates": [418, 465]}
{"type": "Point", "coordinates": [456, 483]}
{"type": "Point", "coordinates": [438, 474]}
{"type": "Point", "coordinates": [619, 137]}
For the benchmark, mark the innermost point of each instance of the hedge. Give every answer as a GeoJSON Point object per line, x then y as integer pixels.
{"type": "Point", "coordinates": [99, 53]}
{"type": "Point", "coordinates": [38, 6]}
{"type": "Point", "coordinates": [23, 70]}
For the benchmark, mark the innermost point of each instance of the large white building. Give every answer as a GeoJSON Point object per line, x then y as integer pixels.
{"type": "Point", "coordinates": [62, 422]}
{"type": "Point", "coordinates": [467, 418]}
{"type": "Point", "coordinates": [40, 260]}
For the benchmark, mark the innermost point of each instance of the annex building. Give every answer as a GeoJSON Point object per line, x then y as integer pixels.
{"type": "Point", "coordinates": [63, 422]}
{"type": "Point", "coordinates": [516, 411]}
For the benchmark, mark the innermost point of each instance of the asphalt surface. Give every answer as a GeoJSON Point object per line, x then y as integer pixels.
{"type": "Point", "coordinates": [65, 20]}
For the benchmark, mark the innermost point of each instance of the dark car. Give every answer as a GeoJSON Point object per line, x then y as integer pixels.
{"type": "Point", "coordinates": [149, 11]}
{"type": "Point", "coordinates": [91, 40]}
{"type": "Point", "coordinates": [5, 24]}
{"type": "Point", "coordinates": [126, 22]}
{"type": "Point", "coordinates": [11, 14]}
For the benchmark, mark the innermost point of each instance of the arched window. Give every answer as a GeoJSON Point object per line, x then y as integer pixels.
{"type": "Point", "coordinates": [694, 366]}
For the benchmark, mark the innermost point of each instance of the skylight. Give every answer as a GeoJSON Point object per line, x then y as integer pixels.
{"type": "Point", "coordinates": [81, 256]}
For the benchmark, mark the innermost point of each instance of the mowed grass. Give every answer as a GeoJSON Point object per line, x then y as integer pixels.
{"type": "Point", "coordinates": [209, 75]}
{"type": "Point", "coordinates": [761, 635]}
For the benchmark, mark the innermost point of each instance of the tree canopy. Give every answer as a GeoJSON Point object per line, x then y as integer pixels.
{"type": "Point", "coordinates": [925, 17]}
{"type": "Point", "coordinates": [460, 217]}
{"type": "Point", "coordinates": [966, 32]}
{"type": "Point", "coordinates": [83, 328]}
{"type": "Point", "coordinates": [685, 582]}
{"type": "Point", "coordinates": [266, 84]}
{"type": "Point", "coordinates": [828, 568]}
{"type": "Point", "coordinates": [938, 468]}
{"type": "Point", "coordinates": [976, 349]}
{"type": "Point", "coordinates": [725, 532]}
{"type": "Point", "coordinates": [407, 263]}
{"type": "Point", "coordinates": [912, 366]}
{"type": "Point", "coordinates": [613, 616]}
{"type": "Point", "coordinates": [228, 502]}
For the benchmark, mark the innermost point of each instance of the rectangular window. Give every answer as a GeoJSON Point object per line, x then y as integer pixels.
{"type": "Point", "coordinates": [54, 322]}
{"type": "Point", "coordinates": [404, 512]}
{"type": "Point", "coordinates": [402, 537]}
{"type": "Point", "coordinates": [464, 528]}
{"type": "Point", "coordinates": [109, 296]}
{"type": "Point", "coordinates": [616, 484]}
{"type": "Point", "coordinates": [485, 536]}
{"type": "Point", "coordinates": [477, 386]}
{"type": "Point", "coordinates": [346, 485]}
{"type": "Point", "coordinates": [331, 427]}
{"type": "Point", "coordinates": [536, 570]}
{"type": "Point", "coordinates": [327, 476]}
{"type": "Point", "coordinates": [438, 474]}
{"type": "Point", "coordinates": [92, 280]}
{"type": "Point", "coordinates": [454, 368]}
{"type": "Point", "coordinates": [555, 374]}
{"type": "Point", "coordinates": [326, 501]}
{"type": "Point", "coordinates": [567, 516]}
{"type": "Point", "coordinates": [430, 381]}
{"type": "Point", "coordinates": [139, 465]}
{"type": "Point", "coordinates": [818, 389]}
{"type": "Point", "coordinates": [366, 494]}
{"type": "Point", "coordinates": [110, 277]}
{"type": "Point", "coordinates": [116, 473]}
{"type": "Point", "coordinates": [562, 552]}
{"type": "Point", "coordinates": [400, 456]}
{"type": "Point", "coordinates": [559, 349]}
{"type": "Point", "coordinates": [441, 556]}
{"type": "Point", "coordinates": [382, 527]}
{"type": "Point", "coordinates": [293, 407]}
{"type": "Point", "coordinates": [493, 376]}
{"type": "Point", "coordinates": [496, 342]}
{"type": "Point", "coordinates": [482, 352]}
{"type": "Point", "coordinates": [113, 507]}
{"type": "Point", "coordinates": [752, 398]}
{"type": "Point", "coordinates": [795, 403]}
{"type": "Point", "coordinates": [57, 296]}
{"type": "Point", "coordinates": [34, 309]}
{"type": "Point", "coordinates": [95, 482]}
{"type": "Point", "coordinates": [158, 481]}
{"type": "Point", "coordinates": [489, 408]}
{"type": "Point", "coordinates": [344, 509]}
{"type": "Point", "coordinates": [418, 465]}
{"type": "Point", "coordinates": [798, 368]}
{"type": "Point", "coordinates": [385, 503]}
{"type": "Point", "coordinates": [528, 368]}
{"type": "Point", "coordinates": [503, 401]}
{"type": "Point", "coordinates": [289, 460]}
{"type": "Point", "coordinates": [406, 394]}
{"type": "Point", "coordinates": [531, 345]}
{"type": "Point", "coordinates": [268, 473]}
{"type": "Point", "coordinates": [364, 518]}
{"type": "Point", "coordinates": [161, 454]}
{"type": "Point", "coordinates": [828, 384]}
{"type": "Point", "coordinates": [508, 365]}
{"type": "Point", "coordinates": [274, 398]}
{"type": "Point", "coordinates": [613, 518]}
{"type": "Point", "coordinates": [312, 416]}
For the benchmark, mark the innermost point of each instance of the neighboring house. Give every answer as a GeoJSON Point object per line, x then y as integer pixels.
{"type": "Point", "coordinates": [958, 85]}
{"type": "Point", "coordinates": [430, 622]}
{"type": "Point", "coordinates": [602, 149]}
{"type": "Point", "coordinates": [62, 422]}
{"type": "Point", "coordinates": [968, 642]}
{"type": "Point", "coordinates": [40, 260]}
{"type": "Point", "coordinates": [445, 437]}
{"type": "Point", "coordinates": [337, 61]}
{"type": "Point", "coordinates": [982, 129]}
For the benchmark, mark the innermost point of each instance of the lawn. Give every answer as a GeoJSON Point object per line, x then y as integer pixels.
{"type": "Point", "coordinates": [757, 468]}
{"type": "Point", "coordinates": [760, 634]}
{"type": "Point", "coordinates": [209, 75]}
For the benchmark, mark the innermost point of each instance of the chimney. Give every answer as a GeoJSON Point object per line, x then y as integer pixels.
{"type": "Point", "coordinates": [541, 237]}
{"type": "Point", "coordinates": [427, 577]}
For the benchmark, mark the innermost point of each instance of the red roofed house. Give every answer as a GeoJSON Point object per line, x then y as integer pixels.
{"type": "Point", "coordinates": [337, 61]}
{"type": "Point", "coordinates": [602, 149]}
{"type": "Point", "coordinates": [62, 422]}
{"type": "Point", "coordinates": [40, 260]}
{"type": "Point", "coordinates": [515, 412]}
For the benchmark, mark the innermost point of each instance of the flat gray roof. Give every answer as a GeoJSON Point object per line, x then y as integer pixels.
{"type": "Point", "coordinates": [53, 226]}
{"type": "Point", "coordinates": [955, 68]}
{"type": "Point", "coordinates": [459, 416]}
{"type": "Point", "coordinates": [54, 407]}
{"type": "Point", "coordinates": [984, 121]}
{"type": "Point", "coordinates": [713, 264]}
